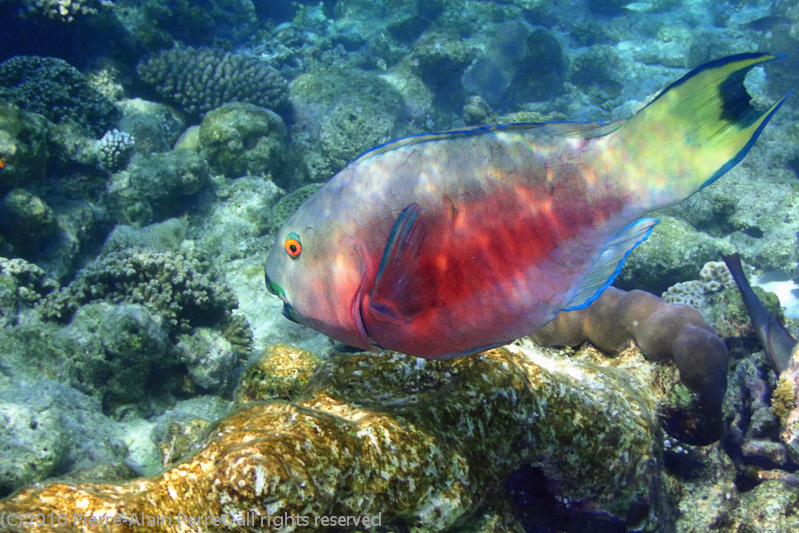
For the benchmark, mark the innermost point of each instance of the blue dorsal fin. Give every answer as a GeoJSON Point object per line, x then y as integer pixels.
{"type": "Point", "coordinates": [585, 130]}
{"type": "Point", "coordinates": [608, 264]}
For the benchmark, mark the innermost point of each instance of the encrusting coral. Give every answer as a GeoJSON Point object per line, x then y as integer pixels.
{"type": "Point", "coordinates": [412, 443]}
{"type": "Point", "coordinates": [664, 332]}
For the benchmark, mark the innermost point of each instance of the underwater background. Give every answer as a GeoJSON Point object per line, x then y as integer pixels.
{"type": "Point", "coordinates": [149, 151]}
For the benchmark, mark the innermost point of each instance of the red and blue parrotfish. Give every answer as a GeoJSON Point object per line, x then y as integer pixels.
{"type": "Point", "coordinates": [441, 245]}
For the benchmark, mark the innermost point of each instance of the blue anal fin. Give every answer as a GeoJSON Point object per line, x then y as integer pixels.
{"type": "Point", "coordinates": [608, 264]}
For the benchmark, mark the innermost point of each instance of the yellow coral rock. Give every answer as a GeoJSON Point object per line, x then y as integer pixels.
{"type": "Point", "coordinates": [412, 443]}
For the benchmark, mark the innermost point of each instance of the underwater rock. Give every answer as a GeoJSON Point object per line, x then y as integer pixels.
{"type": "Point", "coordinates": [242, 208]}
{"type": "Point", "coordinates": [158, 24]}
{"type": "Point", "coordinates": [163, 236]}
{"type": "Point", "coordinates": [598, 72]}
{"type": "Point", "coordinates": [672, 254]}
{"type": "Point", "coordinates": [492, 73]}
{"type": "Point", "coordinates": [154, 126]}
{"type": "Point", "coordinates": [664, 332]}
{"type": "Point", "coordinates": [210, 359]}
{"type": "Point", "coordinates": [785, 406]}
{"type": "Point", "coordinates": [342, 113]}
{"type": "Point", "coordinates": [286, 206]}
{"type": "Point", "coordinates": [541, 71]}
{"type": "Point", "coordinates": [156, 187]}
{"type": "Point", "coordinates": [118, 353]}
{"type": "Point", "coordinates": [243, 139]}
{"type": "Point", "coordinates": [440, 60]}
{"type": "Point", "coordinates": [26, 220]}
{"type": "Point", "coordinates": [22, 285]}
{"type": "Point", "coordinates": [197, 80]}
{"type": "Point", "coordinates": [50, 429]}
{"type": "Point", "coordinates": [23, 147]}
{"type": "Point", "coordinates": [768, 508]}
{"type": "Point", "coordinates": [57, 90]}
{"type": "Point", "coordinates": [372, 435]}
{"type": "Point", "coordinates": [280, 373]}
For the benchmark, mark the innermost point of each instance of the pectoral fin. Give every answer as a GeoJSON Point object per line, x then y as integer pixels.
{"type": "Point", "coordinates": [402, 290]}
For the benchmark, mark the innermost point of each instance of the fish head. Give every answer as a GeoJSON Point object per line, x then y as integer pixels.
{"type": "Point", "coordinates": [316, 267]}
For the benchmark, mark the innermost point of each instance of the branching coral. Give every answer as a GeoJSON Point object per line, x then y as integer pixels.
{"type": "Point", "coordinates": [664, 332]}
{"type": "Point", "coordinates": [55, 89]}
{"type": "Point", "coordinates": [115, 149]}
{"type": "Point", "coordinates": [178, 286]}
{"type": "Point", "coordinates": [199, 80]}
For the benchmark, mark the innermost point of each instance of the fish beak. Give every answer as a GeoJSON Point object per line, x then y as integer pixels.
{"type": "Point", "coordinates": [289, 312]}
{"type": "Point", "coordinates": [278, 291]}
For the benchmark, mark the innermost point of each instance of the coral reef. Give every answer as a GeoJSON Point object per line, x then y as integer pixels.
{"type": "Point", "coordinates": [664, 332]}
{"type": "Point", "coordinates": [243, 139]}
{"type": "Point", "coordinates": [22, 284]}
{"type": "Point", "coordinates": [26, 220]}
{"type": "Point", "coordinates": [115, 149]}
{"type": "Point", "coordinates": [713, 277]}
{"type": "Point", "coordinates": [156, 187]}
{"type": "Point", "coordinates": [286, 206]}
{"type": "Point", "coordinates": [49, 429]}
{"type": "Point", "coordinates": [199, 80]}
{"type": "Point", "coordinates": [64, 10]}
{"type": "Point", "coordinates": [23, 147]}
{"type": "Point", "coordinates": [55, 89]}
{"type": "Point", "coordinates": [372, 435]}
{"type": "Point", "coordinates": [175, 285]}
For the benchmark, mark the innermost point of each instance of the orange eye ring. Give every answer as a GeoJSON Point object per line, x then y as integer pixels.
{"type": "Point", "coordinates": [293, 246]}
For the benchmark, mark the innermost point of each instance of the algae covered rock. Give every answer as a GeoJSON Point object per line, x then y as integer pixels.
{"type": "Point", "coordinates": [157, 187]}
{"type": "Point", "coordinates": [240, 139]}
{"type": "Point", "coordinates": [49, 429]}
{"type": "Point", "coordinates": [281, 372]}
{"type": "Point", "coordinates": [408, 443]}
{"type": "Point", "coordinates": [23, 147]}
{"type": "Point", "coordinates": [673, 253]}
{"type": "Point", "coordinates": [341, 114]}
{"type": "Point", "coordinates": [118, 353]}
{"type": "Point", "coordinates": [26, 220]}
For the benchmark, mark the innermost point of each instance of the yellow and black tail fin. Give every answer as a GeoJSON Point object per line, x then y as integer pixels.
{"type": "Point", "coordinates": [701, 125]}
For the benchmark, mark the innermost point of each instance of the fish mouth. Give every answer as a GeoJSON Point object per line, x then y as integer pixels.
{"type": "Point", "coordinates": [287, 311]}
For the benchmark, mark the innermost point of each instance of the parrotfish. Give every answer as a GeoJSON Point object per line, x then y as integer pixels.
{"type": "Point", "coordinates": [441, 245]}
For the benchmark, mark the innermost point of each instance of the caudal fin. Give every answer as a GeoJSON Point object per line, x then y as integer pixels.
{"type": "Point", "coordinates": [697, 128]}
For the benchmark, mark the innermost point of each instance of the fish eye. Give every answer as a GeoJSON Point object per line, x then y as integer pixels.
{"type": "Point", "coordinates": [293, 245]}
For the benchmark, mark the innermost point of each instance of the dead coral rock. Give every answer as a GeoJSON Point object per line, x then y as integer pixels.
{"type": "Point", "coordinates": [280, 373]}
{"type": "Point", "coordinates": [417, 443]}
